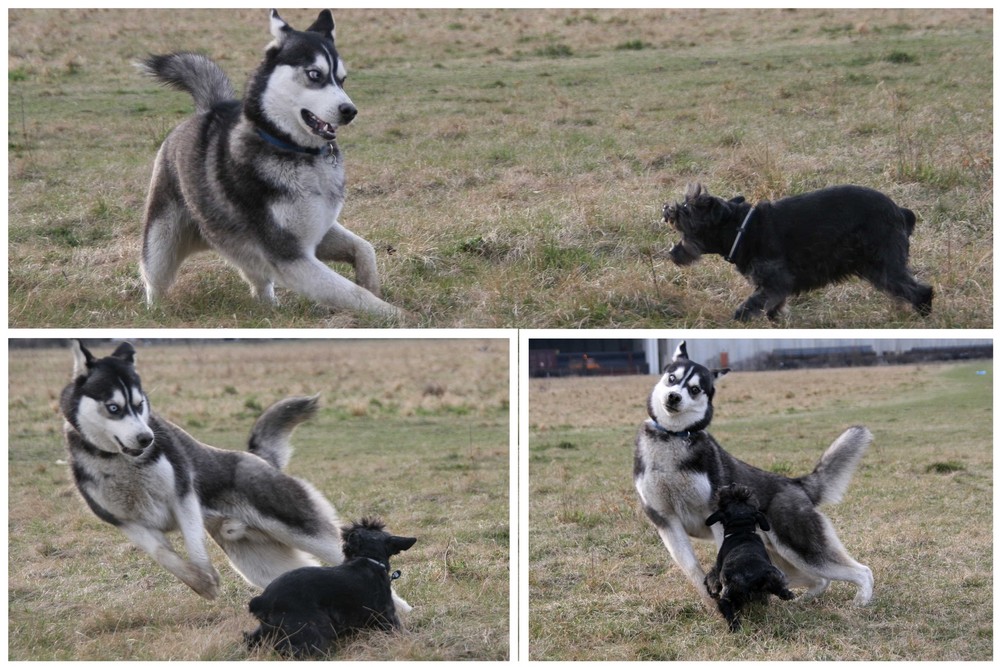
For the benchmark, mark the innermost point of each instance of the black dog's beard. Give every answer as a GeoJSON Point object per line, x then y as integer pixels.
{"type": "Point", "coordinates": [684, 253]}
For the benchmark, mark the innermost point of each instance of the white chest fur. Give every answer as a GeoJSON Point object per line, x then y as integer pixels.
{"type": "Point", "coordinates": [664, 486]}
{"type": "Point", "coordinates": [145, 493]}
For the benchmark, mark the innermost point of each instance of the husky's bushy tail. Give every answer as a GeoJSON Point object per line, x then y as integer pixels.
{"type": "Point", "coordinates": [829, 480]}
{"type": "Point", "coordinates": [271, 436]}
{"type": "Point", "coordinates": [194, 74]}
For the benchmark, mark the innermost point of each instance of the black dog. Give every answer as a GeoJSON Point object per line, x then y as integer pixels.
{"type": "Point", "coordinates": [800, 243]}
{"type": "Point", "coordinates": [743, 571]}
{"type": "Point", "coordinates": [303, 611]}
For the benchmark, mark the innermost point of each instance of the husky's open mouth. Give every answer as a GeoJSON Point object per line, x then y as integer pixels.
{"type": "Point", "coordinates": [129, 450]}
{"type": "Point", "coordinates": [319, 127]}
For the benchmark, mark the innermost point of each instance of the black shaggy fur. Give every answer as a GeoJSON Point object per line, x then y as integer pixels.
{"type": "Point", "coordinates": [304, 611]}
{"type": "Point", "coordinates": [800, 243]}
{"type": "Point", "coordinates": [743, 571]}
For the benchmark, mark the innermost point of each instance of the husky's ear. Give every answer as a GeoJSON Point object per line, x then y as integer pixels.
{"type": "Point", "coordinates": [681, 352]}
{"type": "Point", "coordinates": [714, 517]}
{"type": "Point", "coordinates": [397, 544]}
{"type": "Point", "coordinates": [82, 359]}
{"type": "Point", "coordinates": [762, 522]}
{"type": "Point", "coordinates": [719, 372]}
{"type": "Point", "coordinates": [125, 352]}
{"type": "Point", "coordinates": [323, 25]}
{"type": "Point", "coordinates": [279, 29]}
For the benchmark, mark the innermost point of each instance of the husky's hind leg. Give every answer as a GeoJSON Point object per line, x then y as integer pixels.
{"type": "Point", "coordinates": [260, 559]}
{"type": "Point", "coordinates": [169, 234]}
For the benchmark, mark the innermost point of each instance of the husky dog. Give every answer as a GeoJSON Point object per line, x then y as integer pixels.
{"type": "Point", "coordinates": [260, 181]}
{"type": "Point", "coordinates": [800, 243]}
{"type": "Point", "coordinates": [303, 611]}
{"type": "Point", "coordinates": [146, 476]}
{"type": "Point", "coordinates": [743, 572]}
{"type": "Point", "coordinates": [679, 468]}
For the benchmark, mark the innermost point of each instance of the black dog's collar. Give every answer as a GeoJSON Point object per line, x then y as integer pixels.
{"type": "Point", "coordinates": [739, 235]}
{"type": "Point", "coordinates": [326, 151]}
{"type": "Point", "coordinates": [385, 566]}
{"type": "Point", "coordinates": [676, 434]}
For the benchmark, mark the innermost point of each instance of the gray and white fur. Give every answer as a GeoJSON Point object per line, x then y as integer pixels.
{"type": "Point", "coordinates": [261, 180]}
{"type": "Point", "coordinates": [148, 477]}
{"type": "Point", "coordinates": [679, 467]}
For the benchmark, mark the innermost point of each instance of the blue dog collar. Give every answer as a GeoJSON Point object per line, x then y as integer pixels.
{"type": "Point", "coordinates": [676, 434]}
{"type": "Point", "coordinates": [739, 234]}
{"type": "Point", "coordinates": [325, 151]}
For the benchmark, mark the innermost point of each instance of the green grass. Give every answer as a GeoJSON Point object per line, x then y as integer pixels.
{"type": "Point", "coordinates": [432, 461]}
{"type": "Point", "coordinates": [918, 512]}
{"type": "Point", "coordinates": [510, 165]}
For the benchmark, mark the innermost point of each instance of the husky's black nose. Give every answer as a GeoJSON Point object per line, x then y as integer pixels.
{"type": "Point", "coordinates": [673, 398]}
{"type": "Point", "coordinates": [144, 440]}
{"type": "Point", "coordinates": [347, 113]}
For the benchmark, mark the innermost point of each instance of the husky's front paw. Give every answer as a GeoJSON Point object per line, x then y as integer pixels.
{"type": "Point", "coordinates": [203, 580]}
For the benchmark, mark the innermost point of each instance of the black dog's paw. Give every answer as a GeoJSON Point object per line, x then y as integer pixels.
{"type": "Point", "coordinates": [923, 300]}
{"type": "Point", "coordinates": [712, 584]}
{"type": "Point", "coordinates": [746, 313]}
{"type": "Point", "coordinates": [252, 639]}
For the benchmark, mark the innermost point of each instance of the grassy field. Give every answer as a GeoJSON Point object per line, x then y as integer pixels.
{"type": "Point", "coordinates": [918, 513]}
{"type": "Point", "coordinates": [414, 431]}
{"type": "Point", "coordinates": [510, 165]}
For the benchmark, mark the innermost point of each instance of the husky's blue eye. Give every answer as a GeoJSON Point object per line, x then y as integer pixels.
{"type": "Point", "coordinates": [694, 390]}
{"type": "Point", "coordinates": [112, 408]}
{"type": "Point", "coordinates": [314, 75]}
{"type": "Point", "coordinates": [671, 379]}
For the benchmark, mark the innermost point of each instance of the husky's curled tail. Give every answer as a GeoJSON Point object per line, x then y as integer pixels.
{"type": "Point", "coordinates": [191, 73]}
{"type": "Point", "coordinates": [829, 480]}
{"type": "Point", "coordinates": [271, 437]}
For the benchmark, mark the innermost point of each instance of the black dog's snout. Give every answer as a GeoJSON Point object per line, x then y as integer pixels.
{"type": "Point", "coordinates": [347, 112]}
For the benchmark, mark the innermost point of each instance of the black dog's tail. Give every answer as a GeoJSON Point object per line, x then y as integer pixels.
{"type": "Point", "coordinates": [910, 219]}
{"type": "Point", "coordinates": [194, 74]}
{"type": "Point", "coordinates": [271, 437]}
{"type": "Point", "coordinates": [829, 480]}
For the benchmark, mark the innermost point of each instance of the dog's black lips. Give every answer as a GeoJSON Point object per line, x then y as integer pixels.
{"type": "Point", "coordinates": [319, 127]}
{"type": "Point", "coordinates": [128, 450]}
